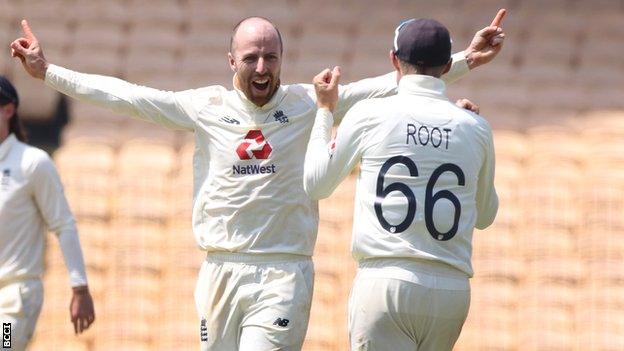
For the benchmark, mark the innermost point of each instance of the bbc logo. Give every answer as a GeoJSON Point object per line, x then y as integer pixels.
{"type": "Point", "coordinates": [6, 335]}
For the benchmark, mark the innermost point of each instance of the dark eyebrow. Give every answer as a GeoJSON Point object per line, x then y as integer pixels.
{"type": "Point", "coordinates": [249, 55]}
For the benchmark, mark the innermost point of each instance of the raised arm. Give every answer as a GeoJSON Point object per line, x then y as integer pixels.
{"type": "Point", "coordinates": [484, 47]}
{"type": "Point", "coordinates": [327, 164]}
{"type": "Point", "coordinates": [170, 109]}
{"type": "Point", "coordinates": [486, 43]}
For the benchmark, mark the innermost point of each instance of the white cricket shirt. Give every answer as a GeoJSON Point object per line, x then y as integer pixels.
{"type": "Point", "coordinates": [426, 176]}
{"type": "Point", "coordinates": [31, 199]}
{"type": "Point", "coordinates": [248, 163]}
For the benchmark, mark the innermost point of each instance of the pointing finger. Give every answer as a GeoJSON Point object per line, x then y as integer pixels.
{"type": "Point", "coordinates": [499, 17]}
{"type": "Point", "coordinates": [27, 31]}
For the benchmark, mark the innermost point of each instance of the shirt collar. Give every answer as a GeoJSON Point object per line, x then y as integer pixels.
{"type": "Point", "coordinates": [250, 106]}
{"type": "Point", "coordinates": [6, 145]}
{"type": "Point", "coordinates": [417, 84]}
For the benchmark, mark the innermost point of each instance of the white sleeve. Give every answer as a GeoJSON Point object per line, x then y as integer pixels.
{"type": "Point", "coordinates": [487, 200]}
{"type": "Point", "coordinates": [50, 199]}
{"type": "Point", "coordinates": [386, 85]}
{"type": "Point", "coordinates": [327, 164]}
{"type": "Point", "coordinates": [351, 93]}
{"type": "Point", "coordinates": [458, 70]}
{"type": "Point", "coordinates": [170, 109]}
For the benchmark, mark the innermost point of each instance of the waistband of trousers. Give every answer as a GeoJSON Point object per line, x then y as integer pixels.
{"type": "Point", "coordinates": [428, 273]}
{"type": "Point", "coordinates": [424, 266]}
{"type": "Point", "coordinates": [240, 257]}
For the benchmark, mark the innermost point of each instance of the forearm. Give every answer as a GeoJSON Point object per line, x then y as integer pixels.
{"type": "Point", "coordinates": [318, 156]}
{"type": "Point", "coordinates": [459, 68]}
{"type": "Point", "coordinates": [72, 255]}
{"type": "Point", "coordinates": [487, 199]}
{"type": "Point", "coordinates": [487, 212]}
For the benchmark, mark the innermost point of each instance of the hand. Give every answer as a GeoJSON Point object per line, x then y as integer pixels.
{"type": "Point", "coordinates": [487, 43]}
{"type": "Point", "coordinates": [326, 86]}
{"type": "Point", "coordinates": [81, 309]}
{"type": "Point", "coordinates": [28, 50]}
{"type": "Point", "coordinates": [468, 105]}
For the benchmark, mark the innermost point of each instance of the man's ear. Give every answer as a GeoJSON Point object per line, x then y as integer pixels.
{"type": "Point", "coordinates": [395, 61]}
{"type": "Point", "coordinates": [448, 66]}
{"type": "Point", "coordinates": [232, 62]}
{"type": "Point", "coordinates": [7, 111]}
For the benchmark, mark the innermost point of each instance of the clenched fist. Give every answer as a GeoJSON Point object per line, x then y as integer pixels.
{"type": "Point", "coordinates": [326, 86]}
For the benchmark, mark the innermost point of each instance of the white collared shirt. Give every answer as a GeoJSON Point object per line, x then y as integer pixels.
{"type": "Point", "coordinates": [248, 163]}
{"type": "Point", "coordinates": [426, 175]}
{"type": "Point", "coordinates": [32, 200]}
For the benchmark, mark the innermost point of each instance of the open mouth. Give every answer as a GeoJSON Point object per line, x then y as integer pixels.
{"type": "Point", "coordinates": [261, 84]}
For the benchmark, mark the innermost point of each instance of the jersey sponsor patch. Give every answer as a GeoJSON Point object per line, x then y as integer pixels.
{"type": "Point", "coordinates": [253, 169]}
{"type": "Point", "coordinates": [254, 146]}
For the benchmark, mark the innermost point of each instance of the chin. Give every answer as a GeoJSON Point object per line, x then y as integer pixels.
{"type": "Point", "coordinates": [261, 99]}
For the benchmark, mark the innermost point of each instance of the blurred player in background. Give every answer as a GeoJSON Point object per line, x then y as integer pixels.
{"type": "Point", "coordinates": [31, 200]}
{"type": "Point", "coordinates": [426, 180]}
{"type": "Point", "coordinates": [250, 212]}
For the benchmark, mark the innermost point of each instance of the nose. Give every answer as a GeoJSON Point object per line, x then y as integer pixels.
{"type": "Point", "coordinates": [261, 67]}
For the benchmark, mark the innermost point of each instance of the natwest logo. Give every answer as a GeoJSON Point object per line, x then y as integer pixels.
{"type": "Point", "coordinates": [254, 146]}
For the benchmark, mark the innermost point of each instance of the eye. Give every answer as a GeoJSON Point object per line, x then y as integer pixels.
{"type": "Point", "coordinates": [271, 57]}
{"type": "Point", "coordinates": [249, 59]}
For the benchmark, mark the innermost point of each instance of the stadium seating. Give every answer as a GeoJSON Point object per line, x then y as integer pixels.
{"type": "Point", "coordinates": [549, 274]}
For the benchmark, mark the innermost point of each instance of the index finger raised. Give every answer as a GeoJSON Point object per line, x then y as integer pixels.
{"type": "Point", "coordinates": [499, 18]}
{"type": "Point", "coordinates": [27, 31]}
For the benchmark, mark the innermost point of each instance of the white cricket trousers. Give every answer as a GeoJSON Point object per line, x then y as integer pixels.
{"type": "Point", "coordinates": [254, 302]}
{"type": "Point", "coordinates": [407, 305]}
{"type": "Point", "coordinates": [20, 305]}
